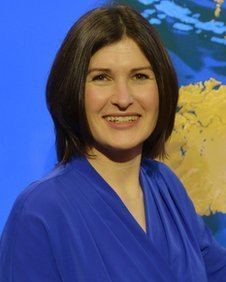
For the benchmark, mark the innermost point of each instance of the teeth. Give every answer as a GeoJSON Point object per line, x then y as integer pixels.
{"type": "Point", "coordinates": [121, 119]}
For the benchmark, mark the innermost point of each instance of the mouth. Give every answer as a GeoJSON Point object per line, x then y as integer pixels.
{"type": "Point", "coordinates": [122, 118]}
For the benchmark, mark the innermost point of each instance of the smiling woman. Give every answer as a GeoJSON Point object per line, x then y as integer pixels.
{"type": "Point", "coordinates": [79, 58]}
{"type": "Point", "coordinates": [108, 211]}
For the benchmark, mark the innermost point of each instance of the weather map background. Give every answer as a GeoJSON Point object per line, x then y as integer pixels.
{"type": "Point", "coordinates": [194, 33]}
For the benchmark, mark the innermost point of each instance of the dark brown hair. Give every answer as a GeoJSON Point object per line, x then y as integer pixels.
{"type": "Point", "coordinates": [66, 83]}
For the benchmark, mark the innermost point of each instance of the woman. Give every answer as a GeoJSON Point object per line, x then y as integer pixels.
{"type": "Point", "coordinates": [109, 211]}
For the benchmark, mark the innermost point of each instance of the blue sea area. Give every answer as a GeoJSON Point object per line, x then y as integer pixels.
{"type": "Point", "coordinates": [217, 224]}
{"type": "Point", "coordinates": [194, 37]}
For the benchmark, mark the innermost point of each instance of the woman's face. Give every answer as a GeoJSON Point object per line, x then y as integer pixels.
{"type": "Point", "coordinates": [121, 97]}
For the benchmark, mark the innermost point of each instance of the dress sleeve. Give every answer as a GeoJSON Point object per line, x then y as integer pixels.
{"type": "Point", "coordinates": [25, 251]}
{"type": "Point", "coordinates": [214, 255]}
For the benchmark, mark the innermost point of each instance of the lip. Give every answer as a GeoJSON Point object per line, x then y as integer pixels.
{"type": "Point", "coordinates": [122, 125]}
{"type": "Point", "coordinates": [121, 115]}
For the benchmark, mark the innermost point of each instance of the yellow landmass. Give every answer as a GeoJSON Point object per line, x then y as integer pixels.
{"type": "Point", "coordinates": [217, 11]}
{"type": "Point", "coordinates": [197, 147]}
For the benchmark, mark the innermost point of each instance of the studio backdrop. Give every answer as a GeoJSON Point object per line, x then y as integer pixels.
{"type": "Point", "coordinates": [194, 33]}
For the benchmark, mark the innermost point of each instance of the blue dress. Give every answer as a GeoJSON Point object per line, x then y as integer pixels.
{"type": "Point", "coordinates": [72, 226]}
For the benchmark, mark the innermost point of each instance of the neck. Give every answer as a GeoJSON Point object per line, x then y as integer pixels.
{"type": "Point", "coordinates": [120, 172]}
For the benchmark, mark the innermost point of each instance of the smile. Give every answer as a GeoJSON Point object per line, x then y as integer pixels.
{"type": "Point", "coordinates": [120, 119]}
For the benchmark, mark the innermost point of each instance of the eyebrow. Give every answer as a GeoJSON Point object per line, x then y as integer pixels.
{"type": "Point", "coordinates": [109, 71]}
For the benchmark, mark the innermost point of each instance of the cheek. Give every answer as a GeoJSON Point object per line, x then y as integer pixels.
{"type": "Point", "coordinates": [150, 98]}
{"type": "Point", "coordinates": [94, 101]}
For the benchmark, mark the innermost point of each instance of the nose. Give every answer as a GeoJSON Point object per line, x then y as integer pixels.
{"type": "Point", "coordinates": [122, 95]}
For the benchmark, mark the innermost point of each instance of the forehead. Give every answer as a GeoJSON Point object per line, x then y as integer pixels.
{"type": "Point", "coordinates": [125, 52]}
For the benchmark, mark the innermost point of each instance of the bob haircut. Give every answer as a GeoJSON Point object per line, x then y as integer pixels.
{"type": "Point", "coordinates": [66, 83]}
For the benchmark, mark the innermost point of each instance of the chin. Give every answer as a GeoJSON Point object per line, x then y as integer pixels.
{"type": "Point", "coordinates": [123, 149]}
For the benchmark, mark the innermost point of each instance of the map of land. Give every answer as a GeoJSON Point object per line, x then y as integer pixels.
{"type": "Point", "coordinates": [197, 147]}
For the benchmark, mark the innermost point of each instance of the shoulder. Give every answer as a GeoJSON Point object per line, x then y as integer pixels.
{"type": "Point", "coordinates": [170, 188]}
{"type": "Point", "coordinates": [45, 194]}
{"type": "Point", "coordinates": [167, 181]}
{"type": "Point", "coordinates": [160, 169]}
{"type": "Point", "coordinates": [45, 205]}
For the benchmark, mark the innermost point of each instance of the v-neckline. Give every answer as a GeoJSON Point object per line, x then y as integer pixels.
{"type": "Point", "coordinates": [146, 240]}
{"type": "Point", "coordinates": [123, 206]}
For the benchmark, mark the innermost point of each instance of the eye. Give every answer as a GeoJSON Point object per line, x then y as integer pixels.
{"type": "Point", "coordinates": [100, 77]}
{"type": "Point", "coordinates": [140, 76]}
